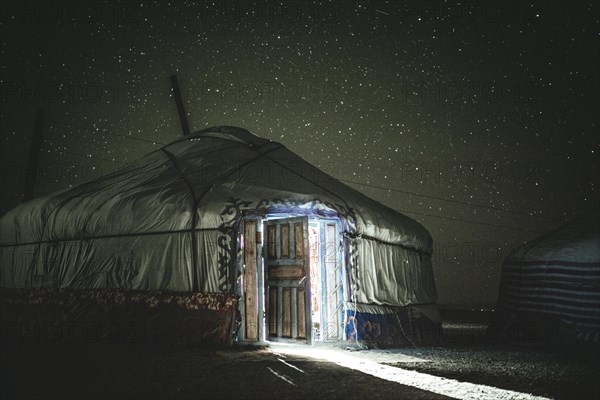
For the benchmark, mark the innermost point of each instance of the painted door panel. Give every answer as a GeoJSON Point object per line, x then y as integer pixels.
{"type": "Point", "coordinates": [332, 281]}
{"type": "Point", "coordinates": [251, 320]}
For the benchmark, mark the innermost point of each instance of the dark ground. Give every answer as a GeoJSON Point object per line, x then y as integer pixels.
{"type": "Point", "coordinates": [156, 372]}
{"type": "Point", "coordinates": [99, 371]}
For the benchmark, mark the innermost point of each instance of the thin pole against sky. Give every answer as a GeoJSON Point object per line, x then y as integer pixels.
{"type": "Point", "coordinates": [180, 108]}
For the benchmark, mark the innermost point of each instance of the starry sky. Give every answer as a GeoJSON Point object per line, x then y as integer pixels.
{"type": "Point", "coordinates": [477, 119]}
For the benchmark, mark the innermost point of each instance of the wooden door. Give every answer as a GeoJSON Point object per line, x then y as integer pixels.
{"type": "Point", "coordinates": [287, 279]}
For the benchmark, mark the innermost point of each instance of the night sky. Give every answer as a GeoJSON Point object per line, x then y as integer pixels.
{"type": "Point", "coordinates": [477, 119]}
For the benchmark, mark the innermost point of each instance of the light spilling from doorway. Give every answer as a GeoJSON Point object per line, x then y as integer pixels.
{"type": "Point", "coordinates": [419, 380]}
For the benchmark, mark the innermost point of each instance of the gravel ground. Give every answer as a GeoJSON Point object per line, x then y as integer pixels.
{"type": "Point", "coordinates": [559, 372]}
{"type": "Point", "coordinates": [555, 375]}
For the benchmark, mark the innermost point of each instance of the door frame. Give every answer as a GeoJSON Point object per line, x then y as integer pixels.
{"type": "Point", "coordinates": [261, 284]}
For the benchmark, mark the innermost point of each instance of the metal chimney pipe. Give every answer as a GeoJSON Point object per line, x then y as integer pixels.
{"type": "Point", "coordinates": [180, 109]}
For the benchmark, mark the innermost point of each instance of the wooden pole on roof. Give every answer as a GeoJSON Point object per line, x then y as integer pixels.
{"type": "Point", "coordinates": [180, 109]}
{"type": "Point", "coordinates": [34, 157]}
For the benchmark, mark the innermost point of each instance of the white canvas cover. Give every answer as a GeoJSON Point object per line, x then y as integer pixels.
{"type": "Point", "coordinates": [168, 222]}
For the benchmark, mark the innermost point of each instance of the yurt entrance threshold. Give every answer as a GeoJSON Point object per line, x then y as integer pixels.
{"type": "Point", "coordinates": [293, 277]}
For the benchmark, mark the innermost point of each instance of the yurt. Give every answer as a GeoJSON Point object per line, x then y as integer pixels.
{"type": "Point", "coordinates": [550, 286]}
{"type": "Point", "coordinates": [220, 236]}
